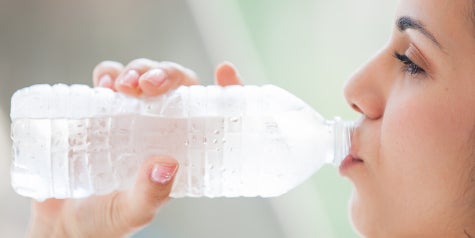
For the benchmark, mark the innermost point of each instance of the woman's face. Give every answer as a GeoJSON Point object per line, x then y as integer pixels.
{"type": "Point", "coordinates": [415, 140]}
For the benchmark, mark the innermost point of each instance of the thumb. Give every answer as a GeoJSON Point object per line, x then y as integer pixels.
{"type": "Point", "coordinates": [226, 74]}
{"type": "Point", "coordinates": [151, 190]}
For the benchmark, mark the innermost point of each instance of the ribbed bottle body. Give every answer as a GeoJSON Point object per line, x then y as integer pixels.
{"type": "Point", "coordinates": [230, 141]}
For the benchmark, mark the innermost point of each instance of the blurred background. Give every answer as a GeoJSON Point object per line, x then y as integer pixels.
{"type": "Point", "coordinates": [309, 47]}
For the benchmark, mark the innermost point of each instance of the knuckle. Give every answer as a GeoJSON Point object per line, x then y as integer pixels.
{"type": "Point", "coordinates": [180, 73]}
{"type": "Point", "coordinates": [138, 218]}
{"type": "Point", "coordinates": [173, 72]}
{"type": "Point", "coordinates": [103, 64]}
{"type": "Point", "coordinates": [114, 213]}
{"type": "Point", "coordinates": [146, 218]}
{"type": "Point", "coordinates": [106, 67]}
{"type": "Point", "coordinates": [156, 197]}
{"type": "Point", "coordinates": [138, 61]}
{"type": "Point", "coordinates": [109, 65]}
{"type": "Point", "coordinates": [120, 218]}
{"type": "Point", "coordinates": [141, 63]}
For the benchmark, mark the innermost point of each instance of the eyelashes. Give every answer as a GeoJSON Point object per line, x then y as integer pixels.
{"type": "Point", "coordinates": [408, 65]}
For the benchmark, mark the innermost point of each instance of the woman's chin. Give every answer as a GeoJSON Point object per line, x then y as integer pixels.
{"type": "Point", "coordinates": [361, 216]}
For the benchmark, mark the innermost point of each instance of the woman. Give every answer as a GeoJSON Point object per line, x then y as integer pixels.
{"type": "Point", "coordinates": [412, 161]}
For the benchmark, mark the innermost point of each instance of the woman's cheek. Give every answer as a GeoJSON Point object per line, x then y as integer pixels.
{"type": "Point", "coordinates": [420, 160]}
{"type": "Point", "coordinates": [420, 128]}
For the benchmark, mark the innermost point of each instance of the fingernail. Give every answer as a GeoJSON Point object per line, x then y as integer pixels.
{"type": "Point", "coordinates": [130, 79]}
{"type": "Point", "coordinates": [105, 81]}
{"type": "Point", "coordinates": [155, 77]}
{"type": "Point", "coordinates": [162, 174]}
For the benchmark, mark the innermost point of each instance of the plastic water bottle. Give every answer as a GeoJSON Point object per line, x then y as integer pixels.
{"type": "Point", "coordinates": [75, 141]}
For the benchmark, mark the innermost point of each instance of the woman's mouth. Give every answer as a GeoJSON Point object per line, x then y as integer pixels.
{"type": "Point", "coordinates": [349, 162]}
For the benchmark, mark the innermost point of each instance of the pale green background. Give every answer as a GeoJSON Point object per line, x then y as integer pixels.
{"type": "Point", "coordinates": [309, 47]}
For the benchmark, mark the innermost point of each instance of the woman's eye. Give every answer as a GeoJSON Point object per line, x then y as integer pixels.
{"type": "Point", "coordinates": [409, 66]}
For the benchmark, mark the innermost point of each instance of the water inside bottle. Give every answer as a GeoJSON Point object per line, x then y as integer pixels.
{"type": "Point", "coordinates": [219, 156]}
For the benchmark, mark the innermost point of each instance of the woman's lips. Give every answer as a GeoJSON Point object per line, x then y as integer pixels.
{"type": "Point", "coordinates": [349, 162]}
{"type": "Point", "coordinates": [352, 159]}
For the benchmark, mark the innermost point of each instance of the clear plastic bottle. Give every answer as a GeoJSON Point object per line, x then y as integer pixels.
{"type": "Point", "coordinates": [75, 141]}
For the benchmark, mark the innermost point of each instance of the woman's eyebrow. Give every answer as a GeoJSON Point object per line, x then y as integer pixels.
{"type": "Point", "coordinates": [403, 23]}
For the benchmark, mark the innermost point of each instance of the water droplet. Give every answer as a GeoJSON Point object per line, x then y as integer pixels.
{"type": "Point", "coordinates": [205, 140]}
{"type": "Point", "coordinates": [215, 141]}
{"type": "Point", "coordinates": [216, 132]}
{"type": "Point", "coordinates": [194, 139]}
{"type": "Point", "coordinates": [187, 142]}
{"type": "Point", "coordinates": [224, 140]}
{"type": "Point", "coordinates": [234, 119]}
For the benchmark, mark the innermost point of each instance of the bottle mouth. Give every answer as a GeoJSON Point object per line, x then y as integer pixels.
{"type": "Point", "coordinates": [343, 131]}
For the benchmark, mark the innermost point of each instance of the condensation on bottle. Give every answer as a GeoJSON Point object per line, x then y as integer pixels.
{"type": "Point", "coordinates": [76, 141]}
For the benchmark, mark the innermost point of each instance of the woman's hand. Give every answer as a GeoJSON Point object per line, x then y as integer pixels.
{"type": "Point", "coordinates": [114, 215]}
{"type": "Point", "coordinates": [151, 78]}
{"type": "Point", "coordinates": [123, 212]}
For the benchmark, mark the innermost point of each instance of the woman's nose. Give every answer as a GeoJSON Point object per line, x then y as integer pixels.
{"type": "Point", "coordinates": [364, 91]}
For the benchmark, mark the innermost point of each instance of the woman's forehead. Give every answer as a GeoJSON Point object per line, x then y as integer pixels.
{"type": "Point", "coordinates": [439, 10]}
{"type": "Point", "coordinates": [450, 21]}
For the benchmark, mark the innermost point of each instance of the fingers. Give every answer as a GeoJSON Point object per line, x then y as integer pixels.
{"type": "Point", "coordinates": [43, 217]}
{"type": "Point", "coordinates": [49, 206]}
{"type": "Point", "coordinates": [151, 78]}
{"type": "Point", "coordinates": [105, 74]}
{"type": "Point", "coordinates": [138, 206]}
{"type": "Point", "coordinates": [226, 74]}
{"type": "Point", "coordinates": [165, 77]}
{"type": "Point", "coordinates": [142, 76]}
{"type": "Point", "coordinates": [128, 80]}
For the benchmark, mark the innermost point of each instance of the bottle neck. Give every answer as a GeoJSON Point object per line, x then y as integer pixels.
{"type": "Point", "coordinates": [341, 131]}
